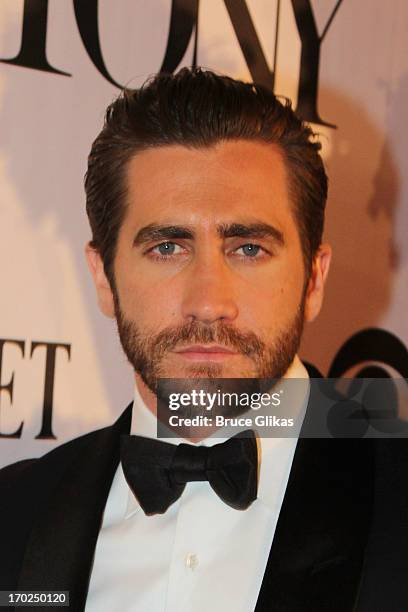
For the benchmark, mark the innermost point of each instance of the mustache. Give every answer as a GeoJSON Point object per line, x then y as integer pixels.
{"type": "Point", "coordinates": [247, 343]}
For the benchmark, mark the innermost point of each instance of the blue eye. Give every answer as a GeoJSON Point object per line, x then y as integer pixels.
{"type": "Point", "coordinates": [166, 251]}
{"type": "Point", "coordinates": [166, 248]}
{"type": "Point", "coordinates": [250, 250]}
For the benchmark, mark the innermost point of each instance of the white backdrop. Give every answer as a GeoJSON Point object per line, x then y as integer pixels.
{"type": "Point", "coordinates": [48, 121]}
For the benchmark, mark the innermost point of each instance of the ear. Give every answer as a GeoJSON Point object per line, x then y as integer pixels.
{"type": "Point", "coordinates": [317, 280]}
{"type": "Point", "coordinates": [103, 288]}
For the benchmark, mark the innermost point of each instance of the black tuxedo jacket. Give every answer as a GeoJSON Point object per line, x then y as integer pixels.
{"type": "Point", "coordinates": [341, 542]}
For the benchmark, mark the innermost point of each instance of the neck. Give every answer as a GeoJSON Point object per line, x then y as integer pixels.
{"type": "Point", "coordinates": [150, 400]}
{"type": "Point", "coordinates": [148, 397]}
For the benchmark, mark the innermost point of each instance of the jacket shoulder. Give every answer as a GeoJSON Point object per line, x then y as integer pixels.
{"type": "Point", "coordinates": [27, 488]}
{"type": "Point", "coordinates": [15, 471]}
{"type": "Point", "coordinates": [33, 477]}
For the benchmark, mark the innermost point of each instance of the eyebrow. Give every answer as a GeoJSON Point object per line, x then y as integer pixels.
{"type": "Point", "coordinates": [153, 232]}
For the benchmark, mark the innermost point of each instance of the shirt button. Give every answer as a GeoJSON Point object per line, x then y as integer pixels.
{"type": "Point", "coordinates": [191, 561]}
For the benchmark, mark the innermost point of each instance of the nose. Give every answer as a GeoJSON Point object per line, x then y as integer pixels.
{"type": "Point", "coordinates": [208, 295]}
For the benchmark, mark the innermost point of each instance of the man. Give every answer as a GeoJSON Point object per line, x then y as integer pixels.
{"type": "Point", "coordinates": [206, 201]}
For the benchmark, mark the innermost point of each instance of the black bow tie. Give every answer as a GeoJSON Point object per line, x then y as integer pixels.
{"type": "Point", "coordinates": [157, 472]}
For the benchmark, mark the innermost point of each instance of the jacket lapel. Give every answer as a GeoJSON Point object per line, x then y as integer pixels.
{"type": "Point", "coordinates": [62, 543]}
{"type": "Point", "coordinates": [317, 553]}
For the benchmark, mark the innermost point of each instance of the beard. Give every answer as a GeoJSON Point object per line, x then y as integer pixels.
{"type": "Point", "coordinates": [147, 352]}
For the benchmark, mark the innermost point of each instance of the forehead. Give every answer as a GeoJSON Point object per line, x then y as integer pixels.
{"type": "Point", "coordinates": [209, 185]}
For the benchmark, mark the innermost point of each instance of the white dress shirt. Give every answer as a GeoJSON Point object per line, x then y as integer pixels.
{"type": "Point", "coordinates": [201, 554]}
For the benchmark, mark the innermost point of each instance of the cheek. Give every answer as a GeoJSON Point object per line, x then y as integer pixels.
{"type": "Point", "coordinates": [152, 306]}
{"type": "Point", "coordinates": [274, 302]}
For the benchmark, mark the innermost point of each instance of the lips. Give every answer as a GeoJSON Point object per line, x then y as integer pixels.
{"type": "Point", "coordinates": [207, 352]}
{"type": "Point", "coordinates": [199, 348]}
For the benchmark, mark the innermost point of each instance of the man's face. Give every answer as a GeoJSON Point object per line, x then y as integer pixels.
{"type": "Point", "coordinates": [209, 271]}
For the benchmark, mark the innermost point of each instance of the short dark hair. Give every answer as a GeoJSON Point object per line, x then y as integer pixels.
{"type": "Point", "coordinates": [198, 108]}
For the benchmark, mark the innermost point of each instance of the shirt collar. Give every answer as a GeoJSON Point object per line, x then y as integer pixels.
{"type": "Point", "coordinates": [276, 454]}
{"type": "Point", "coordinates": [272, 452]}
